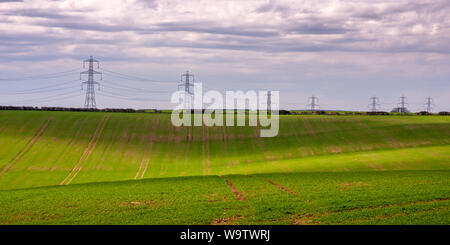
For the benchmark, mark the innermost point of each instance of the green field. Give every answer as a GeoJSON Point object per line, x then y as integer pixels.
{"type": "Point", "coordinates": [136, 168]}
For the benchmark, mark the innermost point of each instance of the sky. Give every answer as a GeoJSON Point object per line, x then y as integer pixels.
{"type": "Point", "coordinates": [343, 52]}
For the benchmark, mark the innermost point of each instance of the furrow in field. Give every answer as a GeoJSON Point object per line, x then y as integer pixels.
{"type": "Point", "coordinates": [25, 149]}
{"type": "Point", "coordinates": [147, 156]}
{"type": "Point", "coordinates": [87, 152]}
{"type": "Point", "coordinates": [281, 187]}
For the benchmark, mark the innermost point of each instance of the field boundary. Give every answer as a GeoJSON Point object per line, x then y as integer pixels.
{"type": "Point", "coordinates": [87, 151]}
{"type": "Point", "coordinates": [25, 148]}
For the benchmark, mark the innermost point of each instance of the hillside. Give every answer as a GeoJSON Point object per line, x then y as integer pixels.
{"type": "Point", "coordinates": [51, 148]}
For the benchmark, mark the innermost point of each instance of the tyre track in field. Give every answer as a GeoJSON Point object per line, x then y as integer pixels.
{"type": "Point", "coordinates": [235, 191]}
{"type": "Point", "coordinates": [269, 157]}
{"type": "Point", "coordinates": [145, 140]}
{"type": "Point", "coordinates": [146, 157]}
{"type": "Point", "coordinates": [208, 151]}
{"type": "Point", "coordinates": [171, 139]}
{"type": "Point", "coordinates": [72, 141]}
{"type": "Point", "coordinates": [260, 143]}
{"type": "Point", "coordinates": [205, 150]}
{"type": "Point", "coordinates": [314, 218]}
{"type": "Point", "coordinates": [4, 125]}
{"type": "Point", "coordinates": [87, 151]}
{"type": "Point", "coordinates": [281, 187]}
{"type": "Point", "coordinates": [186, 151]}
{"type": "Point", "coordinates": [25, 148]}
{"type": "Point", "coordinates": [225, 140]}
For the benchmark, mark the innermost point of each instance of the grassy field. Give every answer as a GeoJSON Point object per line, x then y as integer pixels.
{"type": "Point", "coordinates": [136, 168]}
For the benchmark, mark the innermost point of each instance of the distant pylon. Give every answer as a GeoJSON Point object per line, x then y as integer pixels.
{"type": "Point", "coordinates": [313, 105]}
{"type": "Point", "coordinates": [429, 104]}
{"type": "Point", "coordinates": [187, 83]}
{"type": "Point", "coordinates": [374, 103]}
{"type": "Point", "coordinates": [90, 83]}
{"type": "Point", "coordinates": [402, 104]}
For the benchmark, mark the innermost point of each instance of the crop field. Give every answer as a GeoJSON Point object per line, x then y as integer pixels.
{"type": "Point", "coordinates": [136, 168]}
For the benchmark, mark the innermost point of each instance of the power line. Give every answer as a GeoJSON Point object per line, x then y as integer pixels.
{"type": "Point", "coordinates": [40, 89]}
{"type": "Point", "coordinates": [139, 90]}
{"type": "Point", "coordinates": [134, 77]}
{"type": "Point", "coordinates": [46, 99]}
{"type": "Point", "coordinates": [44, 91]}
{"type": "Point", "coordinates": [117, 96]}
{"type": "Point", "coordinates": [42, 76]}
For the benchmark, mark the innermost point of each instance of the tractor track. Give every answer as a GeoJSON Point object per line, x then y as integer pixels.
{"type": "Point", "coordinates": [25, 148]}
{"type": "Point", "coordinates": [205, 150]}
{"type": "Point", "coordinates": [87, 151]}
{"type": "Point", "coordinates": [235, 191]}
{"type": "Point", "coordinates": [281, 187]}
{"type": "Point", "coordinates": [146, 157]}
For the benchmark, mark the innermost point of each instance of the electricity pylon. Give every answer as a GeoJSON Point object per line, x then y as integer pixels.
{"type": "Point", "coordinates": [187, 83]}
{"type": "Point", "coordinates": [313, 103]}
{"type": "Point", "coordinates": [374, 102]}
{"type": "Point", "coordinates": [429, 104]}
{"type": "Point", "coordinates": [402, 104]}
{"type": "Point", "coordinates": [90, 83]}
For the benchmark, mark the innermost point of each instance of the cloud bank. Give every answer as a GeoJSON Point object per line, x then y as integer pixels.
{"type": "Point", "coordinates": [355, 48]}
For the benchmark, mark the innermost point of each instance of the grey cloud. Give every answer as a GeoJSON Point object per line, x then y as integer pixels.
{"type": "Point", "coordinates": [398, 8]}
{"type": "Point", "coordinates": [197, 27]}
{"type": "Point", "coordinates": [149, 3]}
{"type": "Point", "coordinates": [36, 13]}
{"type": "Point", "coordinates": [317, 28]}
{"type": "Point", "coordinates": [84, 25]}
{"type": "Point", "coordinates": [245, 37]}
{"type": "Point", "coordinates": [202, 27]}
{"type": "Point", "coordinates": [273, 6]}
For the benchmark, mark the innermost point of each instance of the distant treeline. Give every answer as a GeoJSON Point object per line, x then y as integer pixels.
{"type": "Point", "coordinates": [281, 112]}
{"type": "Point", "coordinates": [442, 113]}
{"type": "Point", "coordinates": [32, 108]}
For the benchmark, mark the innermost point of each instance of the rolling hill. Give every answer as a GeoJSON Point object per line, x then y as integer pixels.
{"type": "Point", "coordinates": [136, 168]}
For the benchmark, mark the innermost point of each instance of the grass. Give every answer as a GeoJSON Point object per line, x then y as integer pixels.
{"type": "Point", "coordinates": [321, 198]}
{"type": "Point", "coordinates": [319, 170]}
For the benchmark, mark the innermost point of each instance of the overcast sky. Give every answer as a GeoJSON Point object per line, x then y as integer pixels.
{"type": "Point", "coordinates": [344, 52]}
